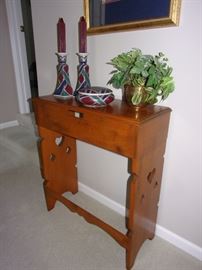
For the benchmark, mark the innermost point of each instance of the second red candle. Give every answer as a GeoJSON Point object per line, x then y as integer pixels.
{"type": "Point", "coordinates": [82, 35]}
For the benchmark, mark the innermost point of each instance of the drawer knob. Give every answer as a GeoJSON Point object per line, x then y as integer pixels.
{"type": "Point", "coordinates": [77, 115]}
{"type": "Point", "coordinates": [68, 149]}
{"type": "Point", "coordinates": [52, 157]}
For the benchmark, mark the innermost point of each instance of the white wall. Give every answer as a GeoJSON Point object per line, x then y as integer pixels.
{"type": "Point", "coordinates": [8, 90]}
{"type": "Point", "coordinates": [45, 15]}
{"type": "Point", "coordinates": [106, 172]}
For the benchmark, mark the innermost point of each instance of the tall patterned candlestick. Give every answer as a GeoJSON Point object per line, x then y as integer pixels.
{"type": "Point", "coordinates": [83, 80]}
{"type": "Point", "coordinates": [63, 86]}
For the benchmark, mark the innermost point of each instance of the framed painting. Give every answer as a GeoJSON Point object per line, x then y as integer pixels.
{"type": "Point", "coordinates": [118, 15]}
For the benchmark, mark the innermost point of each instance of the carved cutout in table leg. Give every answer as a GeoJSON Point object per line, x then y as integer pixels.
{"type": "Point", "coordinates": [151, 175]}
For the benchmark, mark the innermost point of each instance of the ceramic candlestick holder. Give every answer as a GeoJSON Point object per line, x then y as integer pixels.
{"type": "Point", "coordinates": [83, 80]}
{"type": "Point", "coordinates": [63, 86]}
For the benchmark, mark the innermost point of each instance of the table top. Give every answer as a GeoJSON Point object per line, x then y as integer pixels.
{"type": "Point", "coordinates": [117, 108]}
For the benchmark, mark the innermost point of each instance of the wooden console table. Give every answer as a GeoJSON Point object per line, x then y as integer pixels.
{"type": "Point", "coordinates": [138, 135]}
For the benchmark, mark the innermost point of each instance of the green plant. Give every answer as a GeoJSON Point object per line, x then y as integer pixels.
{"type": "Point", "coordinates": [151, 72]}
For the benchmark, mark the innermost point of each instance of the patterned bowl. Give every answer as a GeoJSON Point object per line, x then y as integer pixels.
{"type": "Point", "coordinates": [95, 96]}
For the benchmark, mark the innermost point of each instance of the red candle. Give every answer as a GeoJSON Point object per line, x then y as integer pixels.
{"type": "Point", "coordinates": [61, 35]}
{"type": "Point", "coordinates": [82, 35]}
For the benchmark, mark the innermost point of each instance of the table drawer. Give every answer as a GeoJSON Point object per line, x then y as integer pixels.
{"type": "Point", "coordinates": [88, 126]}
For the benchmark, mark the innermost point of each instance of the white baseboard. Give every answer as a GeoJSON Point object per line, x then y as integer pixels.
{"type": "Point", "coordinates": [179, 242]}
{"type": "Point", "coordinates": [9, 124]}
{"type": "Point", "coordinates": [165, 234]}
{"type": "Point", "coordinates": [102, 199]}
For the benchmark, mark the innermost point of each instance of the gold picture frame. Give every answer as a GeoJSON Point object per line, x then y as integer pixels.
{"type": "Point", "coordinates": [172, 19]}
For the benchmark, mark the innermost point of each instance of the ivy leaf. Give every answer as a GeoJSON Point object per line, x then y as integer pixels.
{"type": "Point", "coordinates": [113, 71]}
{"type": "Point", "coordinates": [145, 73]}
{"type": "Point", "coordinates": [135, 70]}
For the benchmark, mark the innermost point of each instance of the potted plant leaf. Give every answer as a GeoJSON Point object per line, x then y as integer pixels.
{"type": "Point", "coordinates": [146, 79]}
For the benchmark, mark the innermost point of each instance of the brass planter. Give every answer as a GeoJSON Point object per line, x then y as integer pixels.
{"type": "Point", "coordinates": [134, 95]}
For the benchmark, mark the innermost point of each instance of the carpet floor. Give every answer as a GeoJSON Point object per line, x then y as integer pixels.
{"type": "Point", "coordinates": [31, 238]}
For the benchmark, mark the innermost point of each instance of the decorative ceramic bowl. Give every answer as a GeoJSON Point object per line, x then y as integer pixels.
{"type": "Point", "coordinates": [95, 96]}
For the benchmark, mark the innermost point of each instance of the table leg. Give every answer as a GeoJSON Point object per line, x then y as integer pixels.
{"type": "Point", "coordinates": [58, 164]}
{"type": "Point", "coordinates": [142, 204]}
{"type": "Point", "coordinates": [50, 201]}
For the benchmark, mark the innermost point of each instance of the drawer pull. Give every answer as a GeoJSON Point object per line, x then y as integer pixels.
{"type": "Point", "coordinates": [68, 149]}
{"type": "Point", "coordinates": [58, 140]}
{"type": "Point", "coordinates": [52, 157]}
{"type": "Point", "coordinates": [77, 114]}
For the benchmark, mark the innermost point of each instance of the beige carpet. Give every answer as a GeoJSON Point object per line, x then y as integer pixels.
{"type": "Point", "coordinates": [33, 239]}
